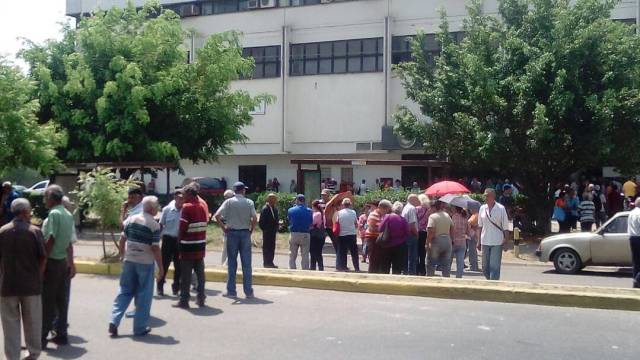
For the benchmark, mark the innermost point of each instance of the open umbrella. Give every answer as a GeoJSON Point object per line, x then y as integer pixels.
{"type": "Point", "coordinates": [443, 188]}
{"type": "Point", "coordinates": [463, 201]}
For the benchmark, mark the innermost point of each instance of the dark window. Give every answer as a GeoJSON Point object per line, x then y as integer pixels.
{"type": "Point", "coordinates": [335, 57]}
{"type": "Point", "coordinates": [401, 47]}
{"type": "Point", "coordinates": [617, 226]}
{"type": "Point", "coordinates": [267, 61]}
{"type": "Point", "coordinates": [225, 6]}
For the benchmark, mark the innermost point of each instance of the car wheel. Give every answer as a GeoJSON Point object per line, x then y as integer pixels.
{"type": "Point", "coordinates": [567, 261]}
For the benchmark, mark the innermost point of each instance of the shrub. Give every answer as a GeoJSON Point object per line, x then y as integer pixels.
{"type": "Point", "coordinates": [392, 195]}
{"type": "Point", "coordinates": [285, 201]}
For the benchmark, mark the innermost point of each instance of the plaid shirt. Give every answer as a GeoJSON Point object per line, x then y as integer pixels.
{"type": "Point", "coordinates": [460, 229]}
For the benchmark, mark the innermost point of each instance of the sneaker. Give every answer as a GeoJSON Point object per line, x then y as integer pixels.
{"type": "Point", "coordinates": [144, 332]}
{"type": "Point", "coordinates": [200, 302]}
{"type": "Point", "coordinates": [231, 296]}
{"type": "Point", "coordinates": [113, 330]}
{"type": "Point", "coordinates": [160, 292]}
{"type": "Point", "coordinates": [250, 296]}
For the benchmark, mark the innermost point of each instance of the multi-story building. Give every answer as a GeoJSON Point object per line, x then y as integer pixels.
{"type": "Point", "coordinates": [329, 65]}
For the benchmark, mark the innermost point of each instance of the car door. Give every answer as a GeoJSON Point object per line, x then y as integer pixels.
{"type": "Point", "coordinates": [612, 247]}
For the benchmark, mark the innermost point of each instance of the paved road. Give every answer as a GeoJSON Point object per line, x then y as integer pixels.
{"type": "Point", "coordinates": [535, 272]}
{"type": "Point", "coordinates": [289, 323]}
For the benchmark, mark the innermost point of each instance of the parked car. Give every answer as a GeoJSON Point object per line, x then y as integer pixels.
{"type": "Point", "coordinates": [38, 188]}
{"type": "Point", "coordinates": [19, 189]}
{"type": "Point", "coordinates": [208, 185]}
{"type": "Point", "coordinates": [607, 246]}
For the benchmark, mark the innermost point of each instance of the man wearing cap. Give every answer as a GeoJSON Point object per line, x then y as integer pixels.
{"type": "Point", "coordinates": [170, 223]}
{"type": "Point", "coordinates": [7, 197]}
{"type": "Point", "coordinates": [300, 219]}
{"type": "Point", "coordinates": [240, 218]}
{"type": "Point", "coordinates": [269, 223]}
{"type": "Point", "coordinates": [193, 241]}
{"type": "Point", "coordinates": [133, 205]}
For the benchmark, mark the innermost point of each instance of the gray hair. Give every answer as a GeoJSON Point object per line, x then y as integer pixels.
{"type": "Point", "coordinates": [54, 192]}
{"type": "Point", "coordinates": [192, 188]}
{"type": "Point", "coordinates": [637, 203]}
{"type": "Point", "coordinates": [386, 204]}
{"type": "Point", "coordinates": [20, 205]}
{"type": "Point", "coordinates": [488, 191]}
{"type": "Point", "coordinates": [424, 200]}
{"type": "Point", "coordinates": [150, 203]}
{"type": "Point", "coordinates": [397, 207]}
{"type": "Point", "coordinates": [229, 194]}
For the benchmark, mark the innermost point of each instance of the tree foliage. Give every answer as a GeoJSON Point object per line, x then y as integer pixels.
{"type": "Point", "coordinates": [121, 86]}
{"type": "Point", "coordinates": [546, 89]}
{"type": "Point", "coordinates": [24, 142]}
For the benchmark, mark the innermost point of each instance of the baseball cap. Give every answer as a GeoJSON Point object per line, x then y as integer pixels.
{"type": "Point", "coordinates": [238, 186]}
{"type": "Point", "coordinates": [300, 197]}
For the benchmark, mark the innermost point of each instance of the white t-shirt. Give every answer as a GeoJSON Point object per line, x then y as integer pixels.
{"type": "Point", "coordinates": [347, 219]}
{"type": "Point", "coordinates": [410, 213]}
{"type": "Point", "coordinates": [490, 234]}
{"type": "Point", "coordinates": [634, 222]}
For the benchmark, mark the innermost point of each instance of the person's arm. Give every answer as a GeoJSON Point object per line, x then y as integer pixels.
{"type": "Point", "coordinates": [263, 218]}
{"type": "Point", "coordinates": [121, 244]}
{"type": "Point", "coordinates": [158, 257]}
{"type": "Point", "coordinates": [254, 218]}
{"type": "Point", "coordinates": [505, 227]}
{"type": "Point", "coordinates": [218, 217]}
{"type": "Point", "coordinates": [70, 261]}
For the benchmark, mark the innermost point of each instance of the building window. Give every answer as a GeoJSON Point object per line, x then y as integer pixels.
{"type": "Point", "coordinates": [401, 47]}
{"type": "Point", "coordinates": [267, 61]}
{"type": "Point", "coordinates": [336, 57]}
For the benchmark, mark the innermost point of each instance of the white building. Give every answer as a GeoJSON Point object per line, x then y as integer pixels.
{"type": "Point", "coordinates": [327, 62]}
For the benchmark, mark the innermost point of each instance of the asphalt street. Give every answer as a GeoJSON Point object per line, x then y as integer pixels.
{"type": "Point", "coordinates": [534, 272]}
{"type": "Point", "coordinates": [290, 323]}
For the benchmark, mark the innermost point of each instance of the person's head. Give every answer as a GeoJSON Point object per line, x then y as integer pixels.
{"type": "Point", "coordinates": [66, 202]}
{"type": "Point", "coordinates": [178, 198]}
{"type": "Point", "coordinates": [272, 199]}
{"type": "Point", "coordinates": [424, 200]}
{"type": "Point", "coordinates": [415, 184]}
{"type": "Point", "coordinates": [21, 209]}
{"type": "Point", "coordinates": [397, 207]}
{"type": "Point", "coordinates": [438, 205]}
{"type": "Point", "coordinates": [239, 188]}
{"type": "Point", "coordinates": [325, 195]}
{"type": "Point", "coordinates": [150, 205]}
{"type": "Point", "coordinates": [507, 189]}
{"type": "Point", "coordinates": [53, 195]}
{"type": "Point", "coordinates": [228, 194]}
{"type": "Point", "coordinates": [490, 196]}
{"type": "Point", "coordinates": [293, 181]}
{"type": "Point", "coordinates": [300, 199]}
{"type": "Point", "coordinates": [384, 206]}
{"type": "Point", "coordinates": [591, 187]}
{"type": "Point", "coordinates": [572, 193]}
{"type": "Point", "coordinates": [134, 196]}
{"type": "Point", "coordinates": [7, 187]}
{"type": "Point", "coordinates": [316, 205]}
{"type": "Point", "coordinates": [371, 205]}
{"type": "Point", "coordinates": [346, 203]}
{"type": "Point", "coordinates": [190, 192]}
{"type": "Point", "coordinates": [413, 200]}
{"type": "Point", "coordinates": [398, 182]}
{"type": "Point", "coordinates": [364, 181]}
{"type": "Point", "coordinates": [457, 209]}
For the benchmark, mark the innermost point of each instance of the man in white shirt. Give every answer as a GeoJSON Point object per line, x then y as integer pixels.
{"type": "Point", "coordinates": [634, 239]}
{"type": "Point", "coordinates": [494, 224]}
{"type": "Point", "coordinates": [410, 213]}
{"type": "Point", "coordinates": [362, 189]}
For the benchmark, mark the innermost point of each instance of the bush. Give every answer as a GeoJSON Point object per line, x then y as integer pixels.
{"type": "Point", "coordinates": [285, 201]}
{"type": "Point", "coordinates": [392, 195]}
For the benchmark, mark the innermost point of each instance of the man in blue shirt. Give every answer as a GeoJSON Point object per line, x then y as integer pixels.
{"type": "Point", "coordinates": [7, 196]}
{"type": "Point", "coordinates": [300, 219]}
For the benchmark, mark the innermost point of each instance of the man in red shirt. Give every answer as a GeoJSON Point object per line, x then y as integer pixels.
{"type": "Point", "coordinates": [193, 240]}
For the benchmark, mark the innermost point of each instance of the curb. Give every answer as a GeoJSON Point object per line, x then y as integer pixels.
{"type": "Point", "coordinates": [461, 289]}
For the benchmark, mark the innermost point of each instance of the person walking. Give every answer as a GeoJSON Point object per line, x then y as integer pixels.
{"type": "Point", "coordinates": [494, 226]}
{"type": "Point", "coordinates": [348, 224]}
{"type": "Point", "coordinates": [393, 253]}
{"type": "Point", "coordinates": [587, 212]}
{"type": "Point", "coordinates": [170, 224]}
{"type": "Point", "coordinates": [240, 221]}
{"type": "Point", "coordinates": [193, 241]}
{"type": "Point", "coordinates": [269, 223]}
{"type": "Point", "coordinates": [410, 213]}
{"type": "Point", "coordinates": [139, 249]}
{"type": "Point", "coordinates": [228, 194]}
{"type": "Point", "coordinates": [300, 219]}
{"type": "Point", "coordinates": [58, 234]}
{"type": "Point", "coordinates": [460, 237]}
{"type": "Point", "coordinates": [423, 211]}
{"type": "Point", "coordinates": [439, 241]}
{"type": "Point", "coordinates": [318, 236]}
{"type": "Point", "coordinates": [22, 257]}
{"type": "Point", "coordinates": [634, 241]}
{"type": "Point", "coordinates": [572, 209]}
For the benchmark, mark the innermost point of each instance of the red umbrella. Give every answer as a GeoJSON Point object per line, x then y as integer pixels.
{"type": "Point", "coordinates": [446, 187]}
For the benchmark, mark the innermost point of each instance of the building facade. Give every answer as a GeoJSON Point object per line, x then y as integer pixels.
{"type": "Point", "coordinates": [329, 65]}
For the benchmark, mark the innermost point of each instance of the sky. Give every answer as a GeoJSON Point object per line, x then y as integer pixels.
{"type": "Point", "coordinates": [36, 20]}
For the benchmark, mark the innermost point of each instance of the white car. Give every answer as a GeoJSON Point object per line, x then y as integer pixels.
{"type": "Point", "coordinates": [38, 188]}
{"type": "Point", "coordinates": [607, 246]}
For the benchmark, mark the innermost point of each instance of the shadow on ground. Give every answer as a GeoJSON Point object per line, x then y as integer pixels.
{"type": "Point", "coordinates": [71, 351]}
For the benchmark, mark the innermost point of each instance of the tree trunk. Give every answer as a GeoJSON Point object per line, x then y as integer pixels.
{"type": "Point", "coordinates": [104, 244]}
{"type": "Point", "coordinates": [539, 207]}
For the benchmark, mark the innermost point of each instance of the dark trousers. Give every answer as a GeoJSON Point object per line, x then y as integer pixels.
{"type": "Point", "coordinates": [189, 266]}
{"type": "Point", "coordinates": [346, 244]}
{"type": "Point", "coordinates": [334, 239]}
{"type": "Point", "coordinates": [315, 252]}
{"type": "Point", "coordinates": [635, 259]}
{"type": "Point", "coordinates": [54, 297]}
{"type": "Point", "coordinates": [268, 247]}
{"type": "Point", "coordinates": [422, 253]}
{"type": "Point", "coordinates": [375, 252]}
{"type": "Point", "coordinates": [586, 226]}
{"type": "Point", "coordinates": [393, 259]}
{"type": "Point", "coordinates": [170, 254]}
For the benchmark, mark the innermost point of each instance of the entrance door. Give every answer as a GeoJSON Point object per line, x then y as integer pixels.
{"type": "Point", "coordinates": [253, 176]}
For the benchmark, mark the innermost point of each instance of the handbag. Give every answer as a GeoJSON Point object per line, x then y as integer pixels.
{"type": "Point", "coordinates": [336, 226]}
{"type": "Point", "coordinates": [384, 238]}
{"type": "Point", "coordinates": [559, 214]}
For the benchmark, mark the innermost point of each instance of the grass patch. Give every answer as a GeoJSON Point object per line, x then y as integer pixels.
{"type": "Point", "coordinates": [214, 238]}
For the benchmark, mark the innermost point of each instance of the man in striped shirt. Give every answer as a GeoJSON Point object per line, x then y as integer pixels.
{"type": "Point", "coordinates": [193, 240]}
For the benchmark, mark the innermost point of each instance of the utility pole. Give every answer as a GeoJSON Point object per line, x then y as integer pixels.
{"type": "Point", "coordinates": [637, 17]}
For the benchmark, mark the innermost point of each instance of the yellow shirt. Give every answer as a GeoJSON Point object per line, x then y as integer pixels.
{"type": "Point", "coordinates": [629, 189]}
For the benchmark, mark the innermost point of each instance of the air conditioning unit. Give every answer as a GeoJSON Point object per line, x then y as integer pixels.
{"type": "Point", "coordinates": [391, 141]}
{"type": "Point", "coordinates": [189, 10]}
{"type": "Point", "coordinates": [267, 3]}
{"type": "Point", "coordinates": [253, 4]}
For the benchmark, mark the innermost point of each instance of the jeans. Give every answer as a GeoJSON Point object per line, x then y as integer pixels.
{"type": "Point", "coordinates": [239, 241]}
{"type": "Point", "coordinates": [376, 253]}
{"type": "Point", "coordinates": [54, 296]}
{"type": "Point", "coordinates": [189, 267]}
{"type": "Point", "coordinates": [422, 253]}
{"type": "Point", "coordinates": [412, 255]}
{"type": "Point", "coordinates": [268, 247]}
{"type": "Point", "coordinates": [458, 254]}
{"type": "Point", "coordinates": [491, 261]}
{"type": "Point", "coordinates": [300, 241]}
{"type": "Point", "coordinates": [439, 254]}
{"type": "Point", "coordinates": [315, 250]}
{"type": "Point", "coordinates": [136, 281]}
{"type": "Point", "coordinates": [472, 250]}
{"type": "Point", "coordinates": [635, 259]}
{"type": "Point", "coordinates": [346, 244]}
{"type": "Point", "coordinates": [170, 254]}
{"type": "Point", "coordinates": [25, 309]}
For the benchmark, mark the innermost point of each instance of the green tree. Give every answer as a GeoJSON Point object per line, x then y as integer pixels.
{"type": "Point", "coordinates": [24, 142]}
{"type": "Point", "coordinates": [539, 92]}
{"type": "Point", "coordinates": [121, 86]}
